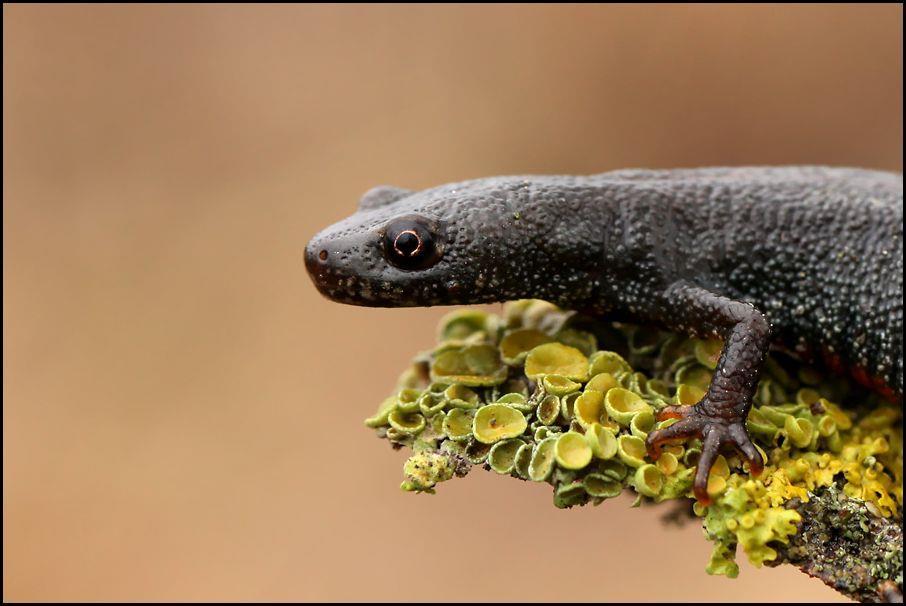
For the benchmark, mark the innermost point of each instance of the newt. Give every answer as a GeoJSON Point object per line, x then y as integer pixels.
{"type": "Point", "coordinates": [806, 258]}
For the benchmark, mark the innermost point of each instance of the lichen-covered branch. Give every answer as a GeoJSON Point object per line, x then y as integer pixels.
{"type": "Point", "coordinates": [546, 395]}
{"type": "Point", "coordinates": [841, 542]}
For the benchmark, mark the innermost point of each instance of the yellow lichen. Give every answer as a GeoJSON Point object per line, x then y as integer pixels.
{"type": "Point", "coordinates": [561, 412]}
{"type": "Point", "coordinates": [556, 359]}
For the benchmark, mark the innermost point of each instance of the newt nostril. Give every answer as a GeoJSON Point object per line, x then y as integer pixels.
{"type": "Point", "coordinates": [315, 257]}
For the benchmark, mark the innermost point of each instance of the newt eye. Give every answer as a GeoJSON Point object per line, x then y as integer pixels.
{"type": "Point", "coordinates": [409, 243]}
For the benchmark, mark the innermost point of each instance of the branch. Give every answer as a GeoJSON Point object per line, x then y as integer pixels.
{"type": "Point", "coordinates": [551, 396]}
{"type": "Point", "coordinates": [842, 543]}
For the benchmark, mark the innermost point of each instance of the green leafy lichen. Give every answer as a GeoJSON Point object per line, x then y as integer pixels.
{"type": "Point", "coordinates": [546, 395]}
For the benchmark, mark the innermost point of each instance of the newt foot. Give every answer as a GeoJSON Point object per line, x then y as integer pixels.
{"type": "Point", "coordinates": [716, 432]}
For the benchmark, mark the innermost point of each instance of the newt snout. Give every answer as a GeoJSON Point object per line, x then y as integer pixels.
{"type": "Point", "coordinates": [333, 271]}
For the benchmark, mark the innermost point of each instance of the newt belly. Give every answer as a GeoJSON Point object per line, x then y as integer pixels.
{"type": "Point", "coordinates": [861, 375]}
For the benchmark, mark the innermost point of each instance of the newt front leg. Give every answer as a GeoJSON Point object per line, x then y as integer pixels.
{"type": "Point", "coordinates": [719, 418]}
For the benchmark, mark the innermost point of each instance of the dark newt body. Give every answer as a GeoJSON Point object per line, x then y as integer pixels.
{"type": "Point", "coordinates": [807, 257]}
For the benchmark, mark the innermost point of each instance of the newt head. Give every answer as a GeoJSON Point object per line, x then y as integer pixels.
{"type": "Point", "coordinates": [442, 246]}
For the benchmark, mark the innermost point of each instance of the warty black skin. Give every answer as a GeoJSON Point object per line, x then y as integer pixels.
{"type": "Point", "coordinates": [810, 258]}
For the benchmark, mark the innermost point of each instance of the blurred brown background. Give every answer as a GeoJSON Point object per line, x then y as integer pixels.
{"type": "Point", "coordinates": [183, 411]}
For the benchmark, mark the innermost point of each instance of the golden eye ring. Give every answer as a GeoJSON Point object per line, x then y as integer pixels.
{"type": "Point", "coordinates": [402, 244]}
